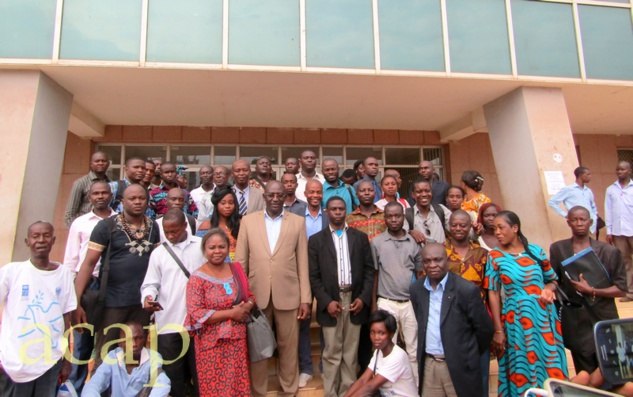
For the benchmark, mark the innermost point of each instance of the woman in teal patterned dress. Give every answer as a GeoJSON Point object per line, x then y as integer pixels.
{"type": "Point", "coordinates": [527, 339]}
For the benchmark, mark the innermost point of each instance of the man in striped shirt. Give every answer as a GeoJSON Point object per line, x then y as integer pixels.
{"type": "Point", "coordinates": [79, 200]}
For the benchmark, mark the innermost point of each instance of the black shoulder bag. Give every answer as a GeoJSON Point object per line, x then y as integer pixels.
{"type": "Point", "coordinates": [178, 261]}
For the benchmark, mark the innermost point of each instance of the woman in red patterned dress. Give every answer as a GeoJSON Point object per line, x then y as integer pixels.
{"type": "Point", "coordinates": [216, 320]}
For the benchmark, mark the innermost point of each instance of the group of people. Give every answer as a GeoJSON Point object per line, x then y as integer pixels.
{"type": "Point", "coordinates": [416, 292]}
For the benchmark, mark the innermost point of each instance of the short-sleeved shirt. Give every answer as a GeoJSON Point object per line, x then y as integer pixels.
{"type": "Point", "coordinates": [372, 226]}
{"type": "Point", "coordinates": [129, 260]}
{"type": "Point", "coordinates": [35, 302]}
{"type": "Point", "coordinates": [396, 259]}
{"type": "Point", "coordinates": [396, 368]}
{"type": "Point", "coordinates": [472, 267]}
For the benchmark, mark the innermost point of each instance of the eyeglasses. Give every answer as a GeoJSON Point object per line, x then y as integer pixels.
{"type": "Point", "coordinates": [273, 195]}
{"type": "Point", "coordinates": [426, 227]}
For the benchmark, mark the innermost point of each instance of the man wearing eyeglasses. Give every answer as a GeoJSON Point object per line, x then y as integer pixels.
{"type": "Point", "coordinates": [428, 223]}
{"type": "Point", "coordinates": [272, 247]}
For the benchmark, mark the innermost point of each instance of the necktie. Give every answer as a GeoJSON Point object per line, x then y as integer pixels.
{"type": "Point", "coordinates": [242, 204]}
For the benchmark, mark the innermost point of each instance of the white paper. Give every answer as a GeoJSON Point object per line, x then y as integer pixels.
{"type": "Point", "coordinates": [555, 181]}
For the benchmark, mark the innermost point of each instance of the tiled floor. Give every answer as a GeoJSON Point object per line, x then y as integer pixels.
{"type": "Point", "coordinates": [315, 387]}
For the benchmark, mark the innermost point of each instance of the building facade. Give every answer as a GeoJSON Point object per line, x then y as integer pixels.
{"type": "Point", "coordinates": [511, 88]}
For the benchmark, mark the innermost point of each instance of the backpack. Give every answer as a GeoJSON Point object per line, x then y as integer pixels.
{"type": "Point", "coordinates": [121, 185]}
{"type": "Point", "coordinates": [409, 214]}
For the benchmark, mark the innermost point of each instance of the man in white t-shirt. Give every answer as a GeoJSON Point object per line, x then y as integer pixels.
{"type": "Point", "coordinates": [38, 296]}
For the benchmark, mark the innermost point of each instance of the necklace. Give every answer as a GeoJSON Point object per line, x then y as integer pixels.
{"type": "Point", "coordinates": [138, 234]}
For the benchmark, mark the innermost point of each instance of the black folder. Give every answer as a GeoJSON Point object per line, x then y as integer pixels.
{"type": "Point", "coordinates": [592, 269]}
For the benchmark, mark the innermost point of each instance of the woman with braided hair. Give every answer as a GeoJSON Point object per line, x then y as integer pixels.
{"type": "Point", "coordinates": [527, 338]}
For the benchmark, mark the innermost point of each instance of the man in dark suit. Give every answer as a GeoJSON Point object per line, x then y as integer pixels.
{"type": "Point", "coordinates": [595, 304]}
{"type": "Point", "coordinates": [454, 329]}
{"type": "Point", "coordinates": [342, 279]}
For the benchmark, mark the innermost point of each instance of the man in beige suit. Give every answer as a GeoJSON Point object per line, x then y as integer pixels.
{"type": "Point", "coordinates": [248, 200]}
{"type": "Point", "coordinates": [272, 246]}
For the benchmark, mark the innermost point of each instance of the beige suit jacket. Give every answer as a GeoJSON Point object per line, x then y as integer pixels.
{"type": "Point", "coordinates": [281, 274]}
{"type": "Point", "coordinates": [255, 200]}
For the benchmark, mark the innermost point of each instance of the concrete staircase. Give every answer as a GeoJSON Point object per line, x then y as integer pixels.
{"type": "Point", "coordinates": [315, 386]}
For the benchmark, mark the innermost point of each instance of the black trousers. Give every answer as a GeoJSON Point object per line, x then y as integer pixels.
{"type": "Point", "coordinates": [44, 386]}
{"type": "Point", "coordinates": [183, 371]}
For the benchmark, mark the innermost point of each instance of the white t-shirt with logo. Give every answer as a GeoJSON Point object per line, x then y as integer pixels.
{"type": "Point", "coordinates": [396, 368]}
{"type": "Point", "coordinates": [32, 329]}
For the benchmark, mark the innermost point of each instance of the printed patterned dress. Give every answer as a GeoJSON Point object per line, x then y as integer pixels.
{"type": "Point", "coordinates": [534, 347]}
{"type": "Point", "coordinates": [221, 348]}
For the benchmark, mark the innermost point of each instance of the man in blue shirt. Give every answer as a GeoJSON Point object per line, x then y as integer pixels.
{"type": "Point", "coordinates": [127, 372]}
{"type": "Point", "coordinates": [577, 194]}
{"type": "Point", "coordinates": [454, 328]}
{"type": "Point", "coordinates": [333, 186]}
{"type": "Point", "coordinates": [371, 172]}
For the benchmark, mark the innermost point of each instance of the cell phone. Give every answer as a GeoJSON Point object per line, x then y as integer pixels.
{"type": "Point", "coordinates": [561, 388]}
{"type": "Point", "coordinates": [156, 304]}
{"type": "Point", "coordinates": [614, 347]}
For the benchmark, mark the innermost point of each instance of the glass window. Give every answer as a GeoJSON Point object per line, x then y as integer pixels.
{"type": "Point", "coordinates": [402, 155]}
{"type": "Point", "coordinates": [113, 152]}
{"type": "Point", "coordinates": [27, 28]}
{"type": "Point", "coordinates": [410, 35]}
{"type": "Point", "coordinates": [335, 153]}
{"type": "Point", "coordinates": [544, 39]}
{"type": "Point", "coordinates": [478, 36]}
{"type": "Point", "coordinates": [607, 39]}
{"type": "Point", "coordinates": [114, 173]}
{"type": "Point", "coordinates": [340, 33]}
{"type": "Point", "coordinates": [185, 31]}
{"type": "Point", "coordinates": [146, 152]}
{"type": "Point", "coordinates": [103, 30]}
{"type": "Point", "coordinates": [264, 32]}
{"type": "Point", "coordinates": [434, 155]}
{"type": "Point", "coordinates": [200, 155]}
{"type": "Point", "coordinates": [252, 153]}
{"type": "Point", "coordinates": [361, 153]}
{"type": "Point", "coordinates": [224, 155]}
{"type": "Point", "coordinates": [193, 179]}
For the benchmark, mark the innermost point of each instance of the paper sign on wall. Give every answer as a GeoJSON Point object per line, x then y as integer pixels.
{"type": "Point", "coordinates": [554, 181]}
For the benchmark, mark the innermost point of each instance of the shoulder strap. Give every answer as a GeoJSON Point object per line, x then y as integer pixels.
{"type": "Point", "coordinates": [408, 215]}
{"type": "Point", "coordinates": [350, 190]}
{"type": "Point", "coordinates": [241, 281]}
{"type": "Point", "coordinates": [192, 224]}
{"type": "Point", "coordinates": [105, 266]}
{"type": "Point", "coordinates": [178, 261]}
{"type": "Point", "coordinates": [440, 212]}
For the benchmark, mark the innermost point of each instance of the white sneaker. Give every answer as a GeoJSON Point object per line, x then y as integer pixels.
{"type": "Point", "coordinates": [304, 379]}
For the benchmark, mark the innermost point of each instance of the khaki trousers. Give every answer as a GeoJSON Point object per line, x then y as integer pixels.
{"type": "Point", "coordinates": [340, 352]}
{"type": "Point", "coordinates": [625, 245]}
{"type": "Point", "coordinates": [437, 380]}
{"type": "Point", "coordinates": [287, 332]}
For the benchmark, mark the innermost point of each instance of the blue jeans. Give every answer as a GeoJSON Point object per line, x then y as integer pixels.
{"type": "Point", "coordinates": [305, 348]}
{"type": "Point", "coordinates": [484, 362]}
{"type": "Point", "coordinates": [82, 350]}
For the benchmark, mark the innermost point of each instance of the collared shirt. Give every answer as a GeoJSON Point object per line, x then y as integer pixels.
{"type": "Point", "coordinates": [242, 193]}
{"type": "Point", "coordinates": [344, 191]}
{"type": "Point", "coordinates": [165, 281]}
{"type": "Point", "coordinates": [113, 373]}
{"type": "Point", "coordinates": [298, 207]}
{"type": "Point", "coordinates": [377, 188]}
{"type": "Point", "coordinates": [78, 239]}
{"type": "Point", "coordinates": [301, 184]}
{"type": "Point", "coordinates": [372, 226]}
{"type": "Point", "coordinates": [313, 224]}
{"type": "Point", "coordinates": [158, 201]}
{"type": "Point", "coordinates": [396, 259]}
{"type": "Point", "coordinates": [78, 201]}
{"type": "Point", "coordinates": [572, 196]}
{"type": "Point", "coordinates": [343, 265]}
{"type": "Point", "coordinates": [273, 228]}
{"type": "Point", "coordinates": [202, 198]}
{"type": "Point", "coordinates": [432, 223]}
{"type": "Point", "coordinates": [433, 333]}
{"type": "Point", "coordinates": [472, 267]}
{"type": "Point", "coordinates": [618, 210]}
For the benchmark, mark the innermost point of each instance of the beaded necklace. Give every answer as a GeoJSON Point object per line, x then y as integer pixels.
{"type": "Point", "coordinates": [138, 235]}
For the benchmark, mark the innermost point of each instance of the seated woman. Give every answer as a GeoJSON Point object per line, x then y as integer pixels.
{"type": "Point", "coordinates": [225, 217]}
{"type": "Point", "coordinates": [389, 369]}
{"type": "Point", "coordinates": [389, 186]}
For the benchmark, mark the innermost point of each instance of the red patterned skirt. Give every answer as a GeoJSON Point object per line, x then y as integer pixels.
{"type": "Point", "coordinates": [223, 369]}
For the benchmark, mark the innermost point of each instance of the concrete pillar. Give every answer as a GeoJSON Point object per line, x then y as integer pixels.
{"type": "Point", "coordinates": [529, 134]}
{"type": "Point", "coordinates": [34, 114]}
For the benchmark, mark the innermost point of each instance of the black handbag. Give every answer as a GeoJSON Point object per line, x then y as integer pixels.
{"type": "Point", "coordinates": [93, 300]}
